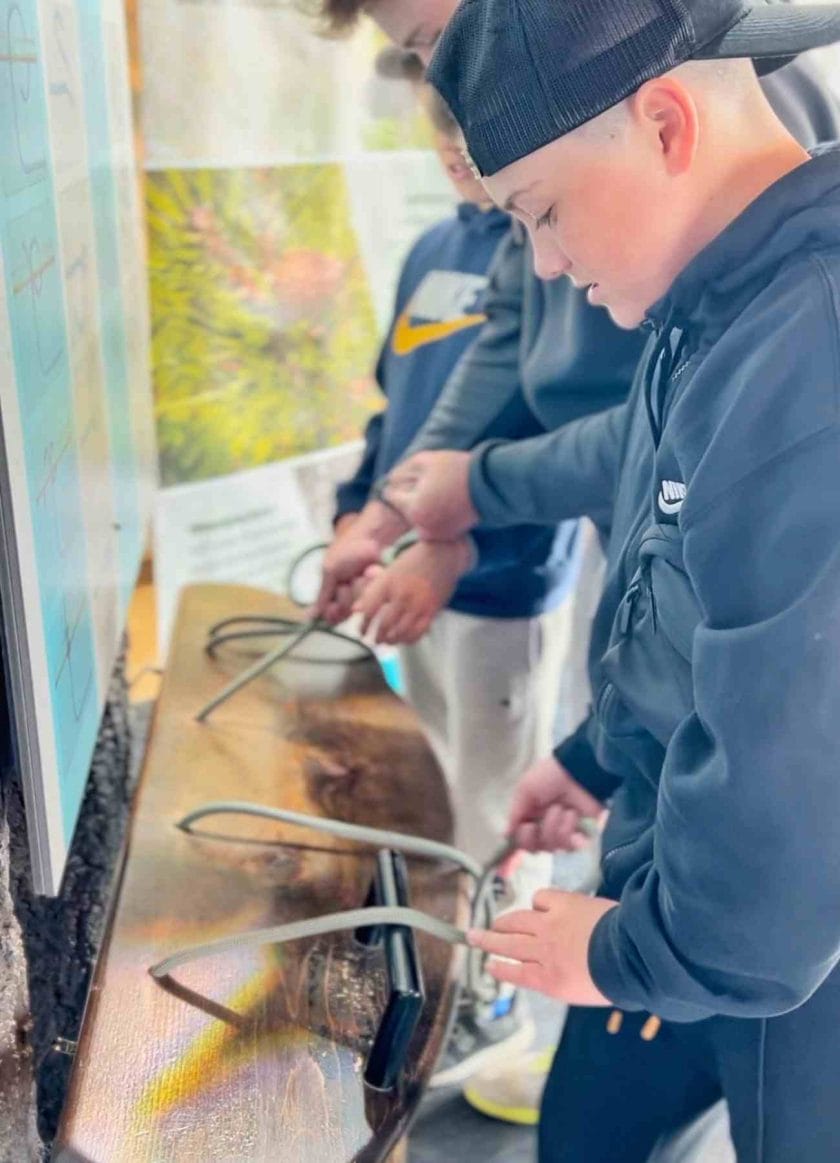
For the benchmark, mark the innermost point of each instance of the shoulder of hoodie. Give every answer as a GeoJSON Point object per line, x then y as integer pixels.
{"type": "Point", "coordinates": [769, 386]}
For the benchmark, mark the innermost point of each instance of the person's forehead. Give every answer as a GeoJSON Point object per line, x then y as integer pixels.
{"type": "Point", "coordinates": [526, 176]}
{"type": "Point", "coordinates": [411, 23]}
{"type": "Point", "coordinates": [555, 165]}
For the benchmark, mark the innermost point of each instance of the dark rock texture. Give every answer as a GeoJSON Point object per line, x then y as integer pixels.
{"type": "Point", "coordinates": [48, 945]}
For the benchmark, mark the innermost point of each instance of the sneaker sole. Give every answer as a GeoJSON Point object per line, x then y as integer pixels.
{"type": "Point", "coordinates": [484, 1059]}
{"type": "Point", "coordinates": [522, 1116]}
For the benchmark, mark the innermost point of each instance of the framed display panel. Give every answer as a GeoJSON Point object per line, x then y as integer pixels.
{"type": "Point", "coordinates": [75, 406]}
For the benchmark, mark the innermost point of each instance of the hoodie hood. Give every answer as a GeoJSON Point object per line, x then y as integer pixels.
{"type": "Point", "coordinates": [787, 221]}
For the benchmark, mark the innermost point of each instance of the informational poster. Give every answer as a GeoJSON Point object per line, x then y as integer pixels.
{"type": "Point", "coordinates": [78, 459]}
{"type": "Point", "coordinates": [246, 528]}
{"type": "Point", "coordinates": [285, 184]}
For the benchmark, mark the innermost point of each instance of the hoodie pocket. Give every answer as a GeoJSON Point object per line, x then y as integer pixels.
{"type": "Point", "coordinates": [674, 609]}
{"type": "Point", "coordinates": [648, 663]}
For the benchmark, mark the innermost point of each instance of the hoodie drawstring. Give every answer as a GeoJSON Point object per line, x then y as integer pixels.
{"type": "Point", "coordinates": [660, 367]}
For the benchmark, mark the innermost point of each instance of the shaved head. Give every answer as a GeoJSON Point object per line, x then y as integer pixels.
{"type": "Point", "coordinates": [732, 83]}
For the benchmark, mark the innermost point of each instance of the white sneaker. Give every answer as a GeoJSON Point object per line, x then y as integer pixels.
{"type": "Point", "coordinates": [478, 1043]}
{"type": "Point", "coordinates": [513, 1093]}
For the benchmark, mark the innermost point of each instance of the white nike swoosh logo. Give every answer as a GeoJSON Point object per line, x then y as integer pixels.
{"type": "Point", "coordinates": [669, 506]}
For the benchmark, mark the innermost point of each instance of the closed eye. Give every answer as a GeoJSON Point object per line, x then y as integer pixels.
{"type": "Point", "coordinates": [545, 219]}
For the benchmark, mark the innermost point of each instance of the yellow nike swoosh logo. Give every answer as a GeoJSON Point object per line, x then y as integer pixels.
{"type": "Point", "coordinates": [408, 337]}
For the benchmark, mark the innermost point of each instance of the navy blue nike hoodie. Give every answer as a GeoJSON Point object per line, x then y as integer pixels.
{"type": "Point", "coordinates": [523, 569]}
{"type": "Point", "coordinates": [716, 723]}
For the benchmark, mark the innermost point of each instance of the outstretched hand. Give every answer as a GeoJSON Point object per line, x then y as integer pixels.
{"type": "Point", "coordinates": [400, 602]}
{"type": "Point", "coordinates": [432, 490]}
{"type": "Point", "coordinates": [358, 544]}
{"type": "Point", "coordinates": [546, 948]}
{"type": "Point", "coordinates": [550, 808]}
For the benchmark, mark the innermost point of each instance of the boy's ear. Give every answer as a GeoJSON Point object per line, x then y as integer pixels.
{"type": "Point", "coordinates": [667, 114]}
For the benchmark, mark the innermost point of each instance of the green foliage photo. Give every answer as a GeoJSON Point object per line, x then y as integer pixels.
{"type": "Point", "coordinates": [263, 329]}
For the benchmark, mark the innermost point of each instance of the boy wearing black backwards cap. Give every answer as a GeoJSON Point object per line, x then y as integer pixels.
{"type": "Point", "coordinates": [633, 141]}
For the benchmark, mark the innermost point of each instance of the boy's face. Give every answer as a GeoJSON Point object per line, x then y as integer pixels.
{"type": "Point", "coordinates": [604, 211]}
{"type": "Point", "coordinates": [413, 24]}
{"type": "Point", "coordinates": [468, 187]}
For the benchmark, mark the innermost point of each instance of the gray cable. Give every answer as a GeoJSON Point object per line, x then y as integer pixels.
{"type": "Point", "coordinates": [343, 829]}
{"type": "Point", "coordinates": [316, 927]}
{"type": "Point", "coordinates": [259, 667]}
{"type": "Point", "coordinates": [482, 910]}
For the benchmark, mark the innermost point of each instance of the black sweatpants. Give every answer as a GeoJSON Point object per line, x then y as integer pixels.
{"type": "Point", "coordinates": [610, 1097]}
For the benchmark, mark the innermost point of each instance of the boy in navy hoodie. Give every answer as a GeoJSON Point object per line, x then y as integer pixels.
{"type": "Point", "coordinates": [474, 674]}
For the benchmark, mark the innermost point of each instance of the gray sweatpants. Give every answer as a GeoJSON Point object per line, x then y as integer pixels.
{"type": "Point", "coordinates": [485, 692]}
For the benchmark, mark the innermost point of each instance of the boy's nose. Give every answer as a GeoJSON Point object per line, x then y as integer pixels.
{"type": "Point", "coordinates": [549, 263]}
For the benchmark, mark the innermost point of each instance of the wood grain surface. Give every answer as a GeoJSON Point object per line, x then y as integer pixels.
{"type": "Point", "coordinates": [258, 1054]}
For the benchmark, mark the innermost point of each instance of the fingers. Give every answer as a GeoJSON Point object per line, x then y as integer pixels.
{"type": "Point", "coordinates": [409, 628]}
{"type": "Point", "coordinates": [559, 830]}
{"type": "Point", "coordinates": [339, 606]}
{"type": "Point", "coordinates": [527, 836]}
{"type": "Point", "coordinates": [347, 559]}
{"type": "Point", "coordinates": [542, 784]}
{"type": "Point", "coordinates": [402, 484]}
{"type": "Point", "coordinates": [546, 898]}
{"type": "Point", "coordinates": [525, 975]}
{"type": "Point", "coordinates": [390, 614]}
{"type": "Point", "coordinates": [326, 594]}
{"type": "Point", "coordinates": [551, 811]}
{"type": "Point", "coordinates": [579, 798]}
{"type": "Point", "coordinates": [370, 604]}
{"type": "Point", "coordinates": [431, 489]}
{"type": "Point", "coordinates": [524, 809]}
{"type": "Point", "coordinates": [517, 921]}
{"type": "Point", "coordinates": [383, 621]}
{"type": "Point", "coordinates": [404, 475]}
{"type": "Point", "coordinates": [397, 604]}
{"type": "Point", "coordinates": [516, 946]}
{"type": "Point", "coordinates": [557, 825]}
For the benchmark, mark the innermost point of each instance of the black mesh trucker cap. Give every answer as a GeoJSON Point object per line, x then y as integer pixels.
{"type": "Point", "coordinates": [519, 73]}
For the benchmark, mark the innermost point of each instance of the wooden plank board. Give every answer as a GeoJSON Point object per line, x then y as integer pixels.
{"type": "Point", "coordinates": [257, 1054]}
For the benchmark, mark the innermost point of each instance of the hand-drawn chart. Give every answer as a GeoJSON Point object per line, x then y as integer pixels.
{"type": "Point", "coordinates": [73, 492]}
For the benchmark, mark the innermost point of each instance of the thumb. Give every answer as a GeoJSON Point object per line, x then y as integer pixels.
{"type": "Point", "coordinates": [526, 806]}
{"type": "Point", "coordinates": [405, 477]}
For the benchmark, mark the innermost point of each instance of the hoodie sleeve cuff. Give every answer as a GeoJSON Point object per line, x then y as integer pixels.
{"type": "Point", "coordinates": [349, 498]}
{"type": "Point", "coordinates": [485, 499]}
{"type": "Point", "coordinates": [620, 972]}
{"type": "Point", "coordinates": [604, 962]}
{"type": "Point", "coordinates": [577, 756]}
